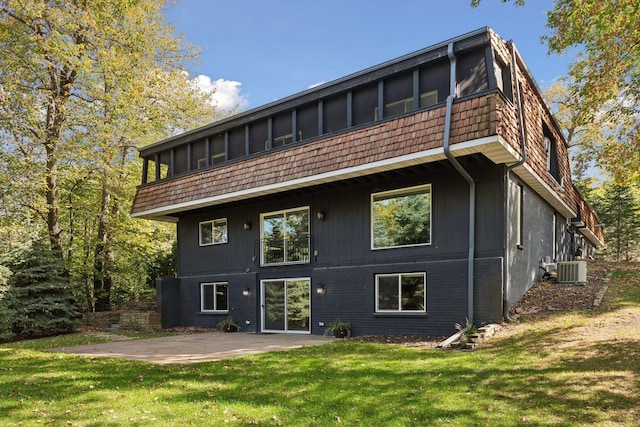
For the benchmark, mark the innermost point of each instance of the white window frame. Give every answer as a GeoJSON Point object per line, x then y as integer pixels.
{"type": "Point", "coordinates": [308, 233]}
{"type": "Point", "coordinates": [214, 223]}
{"type": "Point", "coordinates": [400, 192]}
{"type": "Point", "coordinates": [216, 309]}
{"type": "Point", "coordinates": [519, 215]}
{"type": "Point", "coordinates": [554, 250]}
{"type": "Point", "coordinates": [399, 277]}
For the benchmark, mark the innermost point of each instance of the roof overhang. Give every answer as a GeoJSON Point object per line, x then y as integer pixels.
{"type": "Point", "coordinates": [586, 232]}
{"type": "Point", "coordinates": [494, 147]}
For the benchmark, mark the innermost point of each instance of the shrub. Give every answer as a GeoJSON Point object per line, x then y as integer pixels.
{"type": "Point", "coordinates": [36, 300]}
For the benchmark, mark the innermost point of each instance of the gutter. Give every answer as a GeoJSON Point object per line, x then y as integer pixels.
{"type": "Point", "coordinates": [507, 175]}
{"type": "Point", "coordinates": [472, 185]}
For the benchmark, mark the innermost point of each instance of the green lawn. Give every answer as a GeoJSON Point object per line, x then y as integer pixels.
{"type": "Point", "coordinates": [568, 369]}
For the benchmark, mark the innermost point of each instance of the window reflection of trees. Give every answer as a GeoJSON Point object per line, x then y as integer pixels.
{"type": "Point", "coordinates": [402, 219]}
{"type": "Point", "coordinates": [286, 237]}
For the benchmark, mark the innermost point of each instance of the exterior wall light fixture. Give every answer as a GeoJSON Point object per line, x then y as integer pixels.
{"type": "Point", "coordinates": [321, 214]}
{"type": "Point", "coordinates": [247, 225]}
{"type": "Point", "coordinates": [320, 289]}
{"type": "Point", "coordinates": [246, 292]}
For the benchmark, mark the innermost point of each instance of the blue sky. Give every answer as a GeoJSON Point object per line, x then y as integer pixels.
{"type": "Point", "coordinates": [258, 51]}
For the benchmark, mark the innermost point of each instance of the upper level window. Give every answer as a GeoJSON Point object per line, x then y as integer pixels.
{"type": "Point", "coordinates": [213, 232]}
{"type": "Point", "coordinates": [472, 72]}
{"type": "Point", "coordinates": [364, 104]}
{"type": "Point", "coordinates": [404, 292]}
{"type": "Point", "coordinates": [164, 158]}
{"type": "Point", "coordinates": [285, 237]}
{"type": "Point", "coordinates": [180, 159]}
{"type": "Point", "coordinates": [434, 83]}
{"type": "Point", "coordinates": [503, 78]}
{"type": "Point", "coordinates": [258, 136]}
{"type": "Point", "coordinates": [307, 121]}
{"type": "Point", "coordinates": [149, 169]}
{"type": "Point", "coordinates": [401, 217]}
{"type": "Point", "coordinates": [282, 130]}
{"type": "Point", "coordinates": [551, 153]}
{"type": "Point", "coordinates": [398, 94]}
{"type": "Point", "coordinates": [335, 114]}
{"type": "Point", "coordinates": [237, 143]}
{"type": "Point", "coordinates": [199, 154]}
{"type": "Point", "coordinates": [217, 149]}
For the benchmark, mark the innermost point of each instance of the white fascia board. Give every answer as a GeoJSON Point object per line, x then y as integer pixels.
{"type": "Point", "coordinates": [591, 236]}
{"type": "Point", "coordinates": [427, 156]}
{"type": "Point", "coordinates": [545, 191]}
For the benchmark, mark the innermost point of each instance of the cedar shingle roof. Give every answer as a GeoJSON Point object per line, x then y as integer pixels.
{"type": "Point", "coordinates": [381, 142]}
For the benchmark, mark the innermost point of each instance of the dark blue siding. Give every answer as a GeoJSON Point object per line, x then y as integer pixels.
{"type": "Point", "coordinates": [345, 262]}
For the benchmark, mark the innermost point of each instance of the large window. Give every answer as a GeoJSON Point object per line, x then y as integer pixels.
{"type": "Point", "coordinates": [401, 292]}
{"type": "Point", "coordinates": [213, 232]}
{"type": "Point", "coordinates": [285, 237]}
{"type": "Point", "coordinates": [401, 217]}
{"type": "Point", "coordinates": [214, 297]}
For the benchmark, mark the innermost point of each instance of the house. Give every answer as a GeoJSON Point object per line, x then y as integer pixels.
{"type": "Point", "coordinates": [403, 198]}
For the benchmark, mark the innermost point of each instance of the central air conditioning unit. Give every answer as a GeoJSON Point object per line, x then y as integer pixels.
{"type": "Point", "coordinates": [572, 272]}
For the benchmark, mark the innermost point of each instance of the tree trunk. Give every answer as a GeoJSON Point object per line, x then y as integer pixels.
{"type": "Point", "coordinates": [101, 275]}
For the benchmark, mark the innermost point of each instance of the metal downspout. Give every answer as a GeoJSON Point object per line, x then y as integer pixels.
{"type": "Point", "coordinates": [507, 174]}
{"type": "Point", "coordinates": [472, 185]}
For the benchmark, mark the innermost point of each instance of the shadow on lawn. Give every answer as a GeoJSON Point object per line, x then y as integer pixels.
{"type": "Point", "coordinates": [350, 381]}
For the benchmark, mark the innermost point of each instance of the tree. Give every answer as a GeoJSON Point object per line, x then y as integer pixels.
{"type": "Point", "coordinates": [585, 141]}
{"type": "Point", "coordinates": [39, 301]}
{"type": "Point", "coordinates": [605, 77]}
{"type": "Point", "coordinates": [84, 84]}
{"type": "Point", "coordinates": [618, 207]}
{"type": "Point", "coordinates": [606, 74]}
{"type": "Point", "coordinates": [7, 313]}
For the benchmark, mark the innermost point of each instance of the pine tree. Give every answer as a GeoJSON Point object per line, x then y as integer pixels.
{"type": "Point", "coordinates": [37, 297]}
{"type": "Point", "coordinates": [7, 314]}
{"type": "Point", "coordinates": [619, 209]}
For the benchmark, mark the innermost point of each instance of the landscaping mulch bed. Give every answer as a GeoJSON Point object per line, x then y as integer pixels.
{"type": "Point", "coordinates": [546, 297]}
{"type": "Point", "coordinates": [406, 340]}
{"type": "Point", "coordinates": [542, 299]}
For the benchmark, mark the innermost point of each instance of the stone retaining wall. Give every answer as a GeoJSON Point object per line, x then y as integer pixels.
{"type": "Point", "coordinates": [135, 321]}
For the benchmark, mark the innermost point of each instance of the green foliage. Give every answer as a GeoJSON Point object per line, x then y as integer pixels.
{"type": "Point", "coordinates": [604, 79]}
{"type": "Point", "coordinates": [162, 263]}
{"type": "Point", "coordinates": [618, 207]}
{"type": "Point", "coordinates": [537, 375]}
{"type": "Point", "coordinates": [467, 329]}
{"type": "Point", "coordinates": [339, 328]}
{"type": "Point", "coordinates": [476, 3]}
{"type": "Point", "coordinates": [402, 219]}
{"type": "Point", "coordinates": [83, 84]}
{"type": "Point", "coordinates": [37, 300]}
{"type": "Point", "coordinates": [229, 324]}
{"type": "Point", "coordinates": [7, 302]}
{"type": "Point", "coordinates": [605, 84]}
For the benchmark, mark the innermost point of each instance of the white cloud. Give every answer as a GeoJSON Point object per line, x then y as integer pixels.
{"type": "Point", "coordinates": [227, 96]}
{"type": "Point", "coordinates": [316, 84]}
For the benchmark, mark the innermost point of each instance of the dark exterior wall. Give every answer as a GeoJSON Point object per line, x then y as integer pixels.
{"type": "Point", "coordinates": [538, 242]}
{"type": "Point", "coordinates": [345, 263]}
{"type": "Point", "coordinates": [168, 294]}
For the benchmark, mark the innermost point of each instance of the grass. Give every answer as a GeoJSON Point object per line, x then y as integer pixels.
{"type": "Point", "coordinates": [564, 370]}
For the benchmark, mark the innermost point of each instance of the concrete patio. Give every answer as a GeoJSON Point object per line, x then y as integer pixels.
{"type": "Point", "coordinates": [195, 348]}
